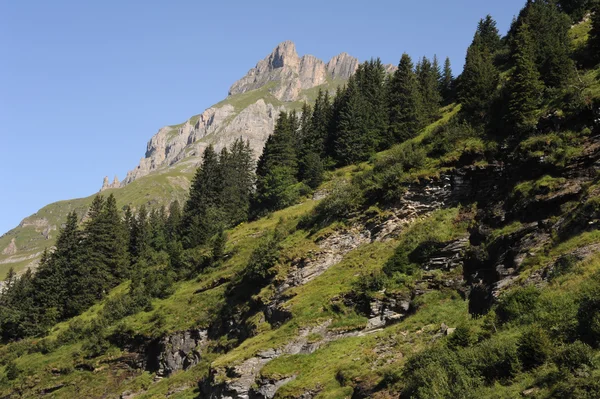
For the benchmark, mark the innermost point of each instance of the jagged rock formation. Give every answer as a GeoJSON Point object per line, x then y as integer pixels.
{"type": "Point", "coordinates": [281, 81]}
{"type": "Point", "coordinates": [175, 352]}
{"type": "Point", "coordinates": [106, 185]}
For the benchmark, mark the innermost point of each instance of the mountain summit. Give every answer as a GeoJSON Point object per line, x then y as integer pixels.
{"type": "Point", "coordinates": [281, 81]}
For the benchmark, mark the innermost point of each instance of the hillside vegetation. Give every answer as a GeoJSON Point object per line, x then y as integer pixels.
{"type": "Point", "coordinates": [415, 236]}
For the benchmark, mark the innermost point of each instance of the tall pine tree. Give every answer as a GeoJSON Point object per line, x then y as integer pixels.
{"type": "Point", "coordinates": [549, 29]}
{"type": "Point", "coordinates": [429, 77]}
{"type": "Point", "coordinates": [478, 82]}
{"type": "Point", "coordinates": [278, 167]}
{"type": "Point", "coordinates": [524, 87]}
{"type": "Point", "coordinates": [447, 83]}
{"type": "Point", "coordinates": [202, 211]}
{"type": "Point", "coordinates": [404, 102]}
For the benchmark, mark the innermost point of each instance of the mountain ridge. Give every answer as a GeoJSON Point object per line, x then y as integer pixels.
{"type": "Point", "coordinates": [283, 80]}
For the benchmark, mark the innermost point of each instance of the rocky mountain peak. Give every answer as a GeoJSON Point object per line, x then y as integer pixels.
{"type": "Point", "coordinates": [282, 80]}
{"type": "Point", "coordinates": [284, 55]}
{"type": "Point", "coordinates": [342, 66]}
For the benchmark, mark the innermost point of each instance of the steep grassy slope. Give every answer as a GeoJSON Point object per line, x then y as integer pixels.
{"type": "Point", "coordinates": [39, 230]}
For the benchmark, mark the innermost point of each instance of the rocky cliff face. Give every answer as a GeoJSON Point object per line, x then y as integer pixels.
{"type": "Point", "coordinates": [276, 83]}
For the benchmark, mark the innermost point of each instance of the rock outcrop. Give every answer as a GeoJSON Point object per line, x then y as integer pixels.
{"type": "Point", "coordinates": [106, 185]}
{"type": "Point", "coordinates": [178, 351]}
{"type": "Point", "coordinates": [283, 76]}
{"type": "Point", "coordinates": [11, 249]}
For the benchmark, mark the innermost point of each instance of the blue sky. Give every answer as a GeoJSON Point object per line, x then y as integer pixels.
{"type": "Point", "coordinates": [85, 84]}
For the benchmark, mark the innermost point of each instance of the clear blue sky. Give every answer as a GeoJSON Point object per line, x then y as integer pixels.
{"type": "Point", "coordinates": [85, 84]}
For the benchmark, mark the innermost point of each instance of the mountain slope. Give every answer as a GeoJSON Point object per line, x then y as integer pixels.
{"type": "Point", "coordinates": [282, 81]}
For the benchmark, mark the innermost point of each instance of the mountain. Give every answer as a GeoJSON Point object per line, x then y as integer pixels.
{"type": "Point", "coordinates": [407, 239]}
{"type": "Point", "coordinates": [281, 81]}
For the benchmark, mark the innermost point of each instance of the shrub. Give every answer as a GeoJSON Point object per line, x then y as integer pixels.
{"type": "Point", "coordinates": [261, 262]}
{"type": "Point", "coordinates": [588, 314]}
{"type": "Point", "coordinates": [563, 265]}
{"type": "Point", "coordinates": [534, 347]}
{"type": "Point", "coordinates": [577, 388]}
{"type": "Point", "coordinates": [344, 200]}
{"type": "Point", "coordinates": [438, 373]}
{"type": "Point", "coordinates": [461, 338]}
{"type": "Point", "coordinates": [75, 331]}
{"type": "Point", "coordinates": [518, 305]}
{"type": "Point", "coordinates": [575, 356]}
{"type": "Point", "coordinates": [12, 371]}
{"type": "Point", "coordinates": [494, 359]}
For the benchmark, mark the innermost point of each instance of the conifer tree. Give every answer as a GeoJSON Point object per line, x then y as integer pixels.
{"type": "Point", "coordinates": [551, 41]}
{"type": "Point", "coordinates": [173, 221]}
{"type": "Point", "coordinates": [353, 143]}
{"type": "Point", "coordinates": [447, 83]}
{"type": "Point", "coordinates": [238, 182]}
{"type": "Point", "coordinates": [140, 236]}
{"type": "Point", "coordinates": [488, 35]}
{"type": "Point", "coordinates": [201, 214]}
{"type": "Point", "coordinates": [104, 250]}
{"type": "Point", "coordinates": [478, 82]}
{"type": "Point", "coordinates": [320, 122]}
{"type": "Point", "coordinates": [278, 167]}
{"type": "Point", "coordinates": [158, 236]}
{"type": "Point", "coordinates": [60, 270]}
{"type": "Point", "coordinates": [429, 77]}
{"type": "Point", "coordinates": [404, 102]}
{"type": "Point", "coordinates": [373, 90]}
{"type": "Point", "coordinates": [524, 87]}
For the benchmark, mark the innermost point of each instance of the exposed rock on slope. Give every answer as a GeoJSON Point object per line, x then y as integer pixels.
{"type": "Point", "coordinates": [276, 83]}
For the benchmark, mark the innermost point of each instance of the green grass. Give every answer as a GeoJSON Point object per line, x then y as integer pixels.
{"type": "Point", "coordinates": [154, 190]}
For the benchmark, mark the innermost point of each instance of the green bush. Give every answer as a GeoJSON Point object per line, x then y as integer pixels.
{"type": "Point", "coordinates": [495, 359]}
{"type": "Point", "coordinates": [534, 347]}
{"type": "Point", "coordinates": [518, 305]}
{"type": "Point", "coordinates": [261, 262]}
{"type": "Point", "coordinates": [12, 371]}
{"type": "Point", "coordinates": [575, 356]}
{"type": "Point", "coordinates": [577, 388]}
{"type": "Point", "coordinates": [343, 201]}
{"type": "Point", "coordinates": [563, 265]}
{"type": "Point", "coordinates": [588, 314]}
{"type": "Point", "coordinates": [76, 330]}
{"type": "Point", "coordinates": [438, 373]}
{"type": "Point", "coordinates": [461, 338]}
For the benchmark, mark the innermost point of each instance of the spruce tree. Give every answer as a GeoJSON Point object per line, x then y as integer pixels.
{"type": "Point", "coordinates": [478, 83]}
{"type": "Point", "coordinates": [524, 87]}
{"type": "Point", "coordinates": [404, 102]}
{"type": "Point", "coordinates": [278, 167]}
{"type": "Point", "coordinates": [104, 250]}
{"type": "Point", "coordinates": [139, 246]}
{"type": "Point", "coordinates": [353, 142]}
{"type": "Point", "coordinates": [549, 29]}
{"type": "Point", "coordinates": [202, 211]}
{"type": "Point", "coordinates": [238, 182]}
{"type": "Point", "coordinates": [320, 122]}
{"type": "Point", "coordinates": [488, 35]}
{"type": "Point", "coordinates": [429, 76]}
{"type": "Point", "coordinates": [173, 221]}
{"type": "Point", "coordinates": [447, 83]}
